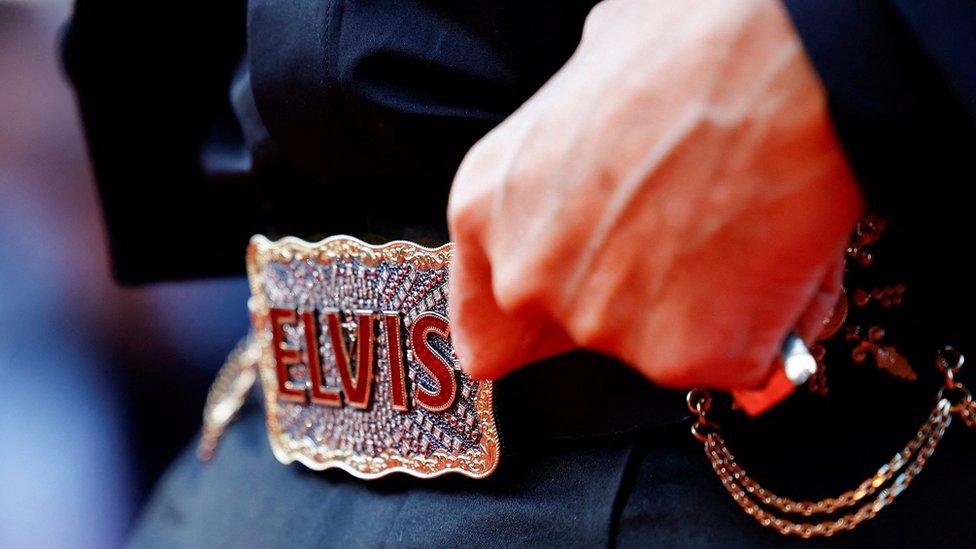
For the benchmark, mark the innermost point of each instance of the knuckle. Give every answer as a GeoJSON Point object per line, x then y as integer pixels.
{"type": "Point", "coordinates": [672, 377]}
{"type": "Point", "coordinates": [603, 310]}
{"type": "Point", "coordinates": [590, 327]}
{"type": "Point", "coordinates": [523, 169]}
{"type": "Point", "coordinates": [751, 370]}
{"type": "Point", "coordinates": [528, 274]}
{"type": "Point", "coordinates": [480, 158]}
{"type": "Point", "coordinates": [461, 221]}
{"type": "Point", "coordinates": [596, 17]}
{"type": "Point", "coordinates": [596, 322]}
{"type": "Point", "coordinates": [471, 194]}
{"type": "Point", "coordinates": [666, 362]}
{"type": "Point", "coordinates": [602, 15]}
{"type": "Point", "coordinates": [682, 363]}
{"type": "Point", "coordinates": [518, 288]}
{"type": "Point", "coordinates": [468, 164]}
{"type": "Point", "coordinates": [465, 214]}
{"type": "Point", "coordinates": [589, 332]}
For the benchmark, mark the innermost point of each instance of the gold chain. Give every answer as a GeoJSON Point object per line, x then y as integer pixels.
{"type": "Point", "coordinates": [870, 497]}
{"type": "Point", "coordinates": [227, 394]}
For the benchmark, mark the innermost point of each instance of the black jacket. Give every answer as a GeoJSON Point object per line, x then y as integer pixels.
{"type": "Point", "coordinates": [214, 121]}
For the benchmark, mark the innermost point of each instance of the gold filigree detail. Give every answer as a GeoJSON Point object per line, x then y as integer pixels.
{"type": "Point", "coordinates": [262, 251]}
{"type": "Point", "coordinates": [227, 395]}
{"type": "Point", "coordinates": [886, 357]}
{"type": "Point", "coordinates": [867, 343]}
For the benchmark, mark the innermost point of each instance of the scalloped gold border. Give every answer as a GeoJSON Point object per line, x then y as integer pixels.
{"type": "Point", "coordinates": [261, 251]}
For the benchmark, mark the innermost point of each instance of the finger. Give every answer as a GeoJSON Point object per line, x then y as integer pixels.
{"type": "Point", "coordinates": [818, 313]}
{"type": "Point", "coordinates": [809, 327]}
{"type": "Point", "coordinates": [488, 342]}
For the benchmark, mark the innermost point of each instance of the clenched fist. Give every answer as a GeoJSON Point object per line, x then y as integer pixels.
{"type": "Point", "coordinates": [674, 197]}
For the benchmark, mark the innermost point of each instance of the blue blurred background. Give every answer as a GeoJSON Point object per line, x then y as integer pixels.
{"type": "Point", "coordinates": [100, 386]}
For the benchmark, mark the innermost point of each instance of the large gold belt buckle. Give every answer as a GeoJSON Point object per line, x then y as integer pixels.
{"type": "Point", "coordinates": [356, 362]}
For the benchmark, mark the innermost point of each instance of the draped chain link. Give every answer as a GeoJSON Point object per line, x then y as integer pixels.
{"type": "Point", "coordinates": [828, 516]}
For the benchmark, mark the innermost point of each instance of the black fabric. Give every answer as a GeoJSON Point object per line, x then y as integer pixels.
{"type": "Point", "coordinates": [902, 84]}
{"type": "Point", "coordinates": [152, 83]}
{"type": "Point", "coordinates": [901, 79]}
{"type": "Point", "coordinates": [651, 487]}
{"type": "Point", "coordinates": [592, 455]}
{"type": "Point", "coordinates": [580, 395]}
{"type": "Point", "coordinates": [313, 118]}
{"type": "Point", "coordinates": [561, 496]}
{"type": "Point", "coordinates": [676, 500]}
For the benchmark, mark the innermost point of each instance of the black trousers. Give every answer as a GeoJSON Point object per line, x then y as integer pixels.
{"type": "Point", "coordinates": [646, 484]}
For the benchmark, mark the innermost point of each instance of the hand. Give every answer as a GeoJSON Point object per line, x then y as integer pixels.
{"type": "Point", "coordinates": [674, 196]}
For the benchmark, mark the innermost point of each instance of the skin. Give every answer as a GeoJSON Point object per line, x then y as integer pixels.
{"type": "Point", "coordinates": [674, 197]}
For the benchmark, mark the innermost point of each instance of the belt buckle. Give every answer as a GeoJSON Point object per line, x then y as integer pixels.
{"type": "Point", "coordinates": [383, 391]}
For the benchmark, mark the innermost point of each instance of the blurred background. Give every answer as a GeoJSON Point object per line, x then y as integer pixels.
{"type": "Point", "coordinates": [100, 386]}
